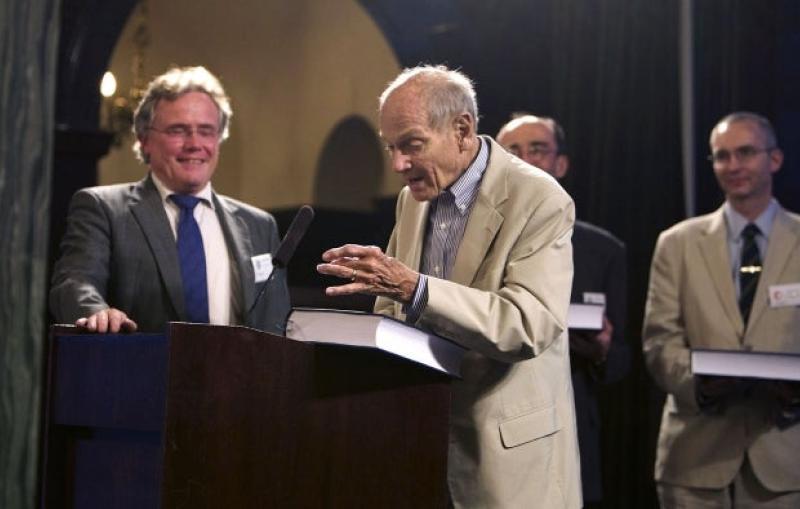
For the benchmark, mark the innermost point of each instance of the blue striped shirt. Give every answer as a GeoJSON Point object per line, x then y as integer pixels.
{"type": "Point", "coordinates": [447, 219]}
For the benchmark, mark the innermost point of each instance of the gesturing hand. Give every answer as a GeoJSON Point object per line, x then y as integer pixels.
{"type": "Point", "coordinates": [370, 272]}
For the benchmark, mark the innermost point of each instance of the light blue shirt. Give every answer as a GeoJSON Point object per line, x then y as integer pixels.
{"type": "Point", "coordinates": [735, 224]}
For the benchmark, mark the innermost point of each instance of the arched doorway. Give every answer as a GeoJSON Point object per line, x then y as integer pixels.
{"type": "Point", "coordinates": [350, 169]}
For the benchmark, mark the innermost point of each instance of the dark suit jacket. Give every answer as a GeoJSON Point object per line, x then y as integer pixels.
{"type": "Point", "coordinates": [599, 259]}
{"type": "Point", "coordinates": [119, 251]}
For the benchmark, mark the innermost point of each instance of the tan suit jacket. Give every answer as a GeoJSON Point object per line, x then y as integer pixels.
{"type": "Point", "coordinates": [513, 442]}
{"type": "Point", "coordinates": [692, 304]}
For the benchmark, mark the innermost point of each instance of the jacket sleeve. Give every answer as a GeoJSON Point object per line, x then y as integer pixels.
{"type": "Point", "coordinates": [527, 312]}
{"type": "Point", "coordinates": [664, 341]}
{"type": "Point", "coordinates": [80, 277]}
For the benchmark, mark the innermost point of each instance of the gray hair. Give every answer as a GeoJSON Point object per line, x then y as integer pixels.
{"type": "Point", "coordinates": [446, 93]}
{"type": "Point", "coordinates": [747, 116]}
{"type": "Point", "coordinates": [170, 86]}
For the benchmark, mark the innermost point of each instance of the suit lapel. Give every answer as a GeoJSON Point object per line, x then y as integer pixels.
{"type": "Point", "coordinates": [415, 215]}
{"type": "Point", "coordinates": [237, 238]}
{"type": "Point", "coordinates": [482, 226]}
{"type": "Point", "coordinates": [714, 248]}
{"type": "Point", "coordinates": [783, 243]}
{"type": "Point", "coordinates": [148, 210]}
{"type": "Point", "coordinates": [484, 221]}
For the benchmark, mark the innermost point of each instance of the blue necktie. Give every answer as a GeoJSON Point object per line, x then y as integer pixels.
{"type": "Point", "coordinates": [192, 258]}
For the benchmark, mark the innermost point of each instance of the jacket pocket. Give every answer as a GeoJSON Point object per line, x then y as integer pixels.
{"type": "Point", "coordinates": [528, 427]}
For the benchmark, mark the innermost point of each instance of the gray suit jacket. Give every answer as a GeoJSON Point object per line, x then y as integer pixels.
{"type": "Point", "coordinates": [692, 303]}
{"type": "Point", "coordinates": [512, 426]}
{"type": "Point", "coordinates": [119, 251]}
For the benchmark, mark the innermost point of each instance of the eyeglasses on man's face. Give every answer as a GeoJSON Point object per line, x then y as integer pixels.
{"type": "Point", "coordinates": [533, 151]}
{"type": "Point", "coordinates": [741, 154]}
{"type": "Point", "coordinates": [183, 132]}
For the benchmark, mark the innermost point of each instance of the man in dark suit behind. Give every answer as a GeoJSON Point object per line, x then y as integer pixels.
{"type": "Point", "coordinates": [168, 248]}
{"type": "Point", "coordinates": [600, 278]}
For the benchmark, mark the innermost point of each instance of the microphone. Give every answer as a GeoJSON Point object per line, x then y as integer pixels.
{"type": "Point", "coordinates": [293, 236]}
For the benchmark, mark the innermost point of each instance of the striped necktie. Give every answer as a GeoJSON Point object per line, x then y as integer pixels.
{"type": "Point", "coordinates": [749, 270]}
{"type": "Point", "coordinates": [192, 258]}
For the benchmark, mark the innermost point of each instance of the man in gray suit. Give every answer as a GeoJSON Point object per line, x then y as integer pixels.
{"type": "Point", "coordinates": [168, 248]}
{"type": "Point", "coordinates": [727, 442]}
{"type": "Point", "coordinates": [481, 255]}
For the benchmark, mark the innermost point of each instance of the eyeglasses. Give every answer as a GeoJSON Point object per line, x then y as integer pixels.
{"type": "Point", "coordinates": [742, 154]}
{"type": "Point", "coordinates": [183, 132]}
{"type": "Point", "coordinates": [539, 151]}
{"type": "Point", "coordinates": [533, 151]}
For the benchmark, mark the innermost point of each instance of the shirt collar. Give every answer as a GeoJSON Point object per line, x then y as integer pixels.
{"type": "Point", "coordinates": [204, 194]}
{"type": "Point", "coordinates": [465, 188]}
{"type": "Point", "coordinates": [737, 222]}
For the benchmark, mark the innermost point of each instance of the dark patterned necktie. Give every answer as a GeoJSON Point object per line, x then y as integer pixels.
{"type": "Point", "coordinates": [749, 270]}
{"type": "Point", "coordinates": [192, 258]}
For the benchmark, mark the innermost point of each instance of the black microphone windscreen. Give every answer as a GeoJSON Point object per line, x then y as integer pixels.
{"type": "Point", "coordinates": [294, 234]}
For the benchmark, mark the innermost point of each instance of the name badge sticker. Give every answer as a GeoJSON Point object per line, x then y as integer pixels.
{"type": "Point", "coordinates": [262, 267]}
{"type": "Point", "coordinates": [784, 295]}
{"type": "Point", "coordinates": [594, 298]}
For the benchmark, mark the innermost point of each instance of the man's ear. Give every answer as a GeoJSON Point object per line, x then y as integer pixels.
{"type": "Point", "coordinates": [464, 126]}
{"type": "Point", "coordinates": [562, 166]}
{"type": "Point", "coordinates": [143, 148]}
{"type": "Point", "coordinates": [775, 159]}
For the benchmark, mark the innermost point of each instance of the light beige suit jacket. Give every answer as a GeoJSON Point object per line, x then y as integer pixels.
{"type": "Point", "coordinates": [513, 442]}
{"type": "Point", "coordinates": [692, 303]}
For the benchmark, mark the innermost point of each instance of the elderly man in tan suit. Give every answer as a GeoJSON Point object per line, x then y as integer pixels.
{"type": "Point", "coordinates": [727, 442]}
{"type": "Point", "coordinates": [480, 254]}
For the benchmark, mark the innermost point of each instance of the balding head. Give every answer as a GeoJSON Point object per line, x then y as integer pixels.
{"type": "Point", "coordinates": [539, 141]}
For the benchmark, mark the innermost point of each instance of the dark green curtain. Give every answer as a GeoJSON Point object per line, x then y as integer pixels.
{"type": "Point", "coordinates": [28, 38]}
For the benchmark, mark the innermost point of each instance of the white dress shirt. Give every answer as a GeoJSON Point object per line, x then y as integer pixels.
{"type": "Point", "coordinates": [223, 305]}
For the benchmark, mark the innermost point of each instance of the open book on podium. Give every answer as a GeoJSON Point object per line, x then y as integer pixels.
{"type": "Point", "coordinates": [746, 364]}
{"type": "Point", "coordinates": [355, 328]}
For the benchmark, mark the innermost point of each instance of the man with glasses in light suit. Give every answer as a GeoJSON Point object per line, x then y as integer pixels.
{"type": "Point", "coordinates": [726, 441]}
{"type": "Point", "coordinates": [168, 248]}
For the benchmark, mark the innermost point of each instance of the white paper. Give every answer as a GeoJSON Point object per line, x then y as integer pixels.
{"type": "Point", "coordinates": [594, 298]}
{"type": "Point", "coordinates": [585, 316]}
{"type": "Point", "coordinates": [262, 267]}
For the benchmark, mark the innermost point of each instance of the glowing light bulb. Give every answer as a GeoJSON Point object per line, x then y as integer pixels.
{"type": "Point", "coordinates": [108, 85]}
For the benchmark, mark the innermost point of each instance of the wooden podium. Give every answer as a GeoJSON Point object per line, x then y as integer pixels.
{"type": "Point", "coordinates": [209, 416]}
